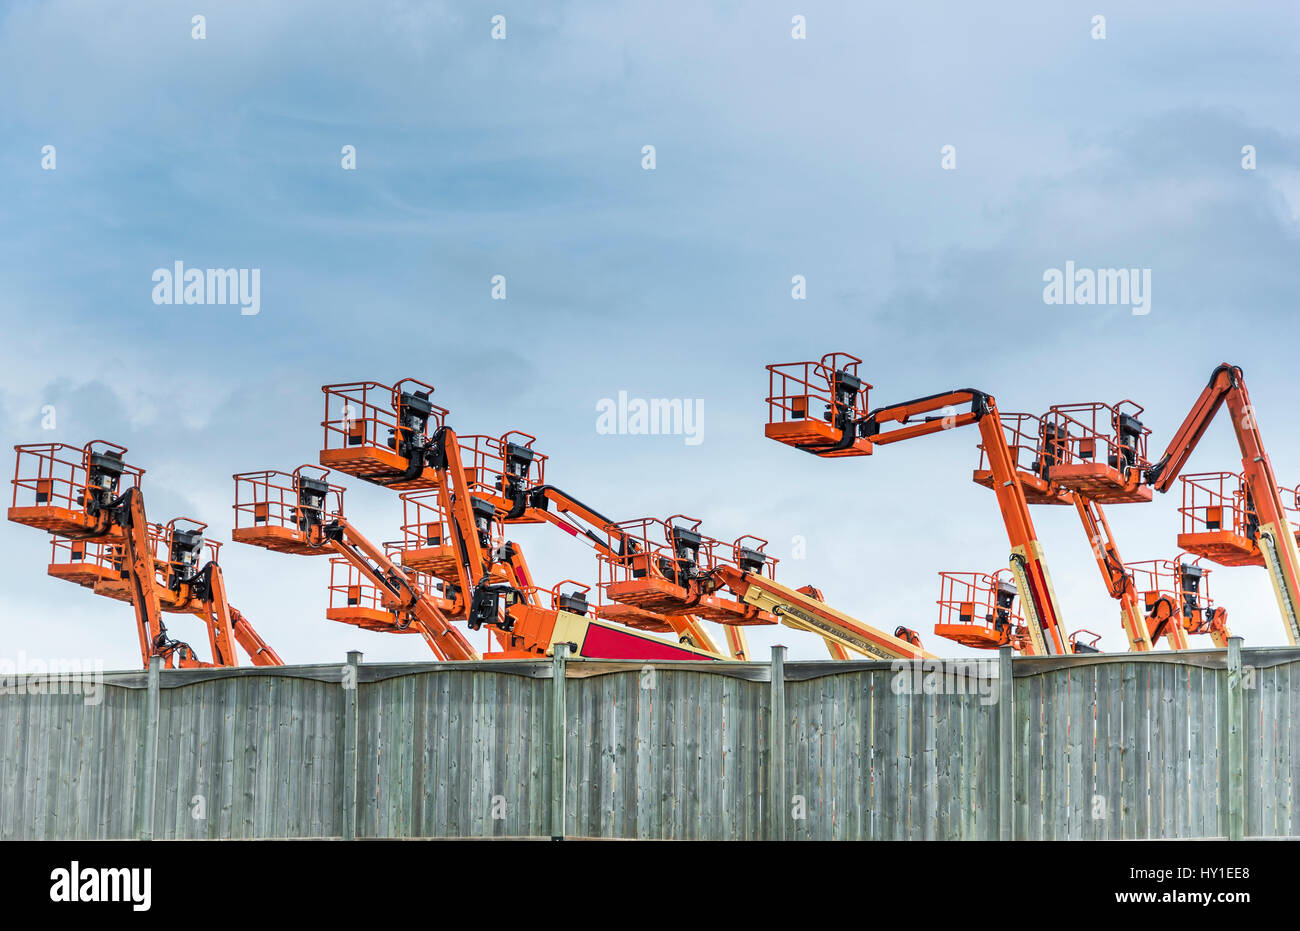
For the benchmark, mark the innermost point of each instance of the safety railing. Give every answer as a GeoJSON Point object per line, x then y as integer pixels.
{"type": "Point", "coordinates": [1184, 580]}
{"type": "Point", "coordinates": [978, 609]}
{"type": "Point", "coordinates": [496, 464]}
{"type": "Point", "coordinates": [427, 542]}
{"type": "Point", "coordinates": [355, 599]}
{"type": "Point", "coordinates": [84, 562]}
{"type": "Point", "coordinates": [1291, 505]}
{"type": "Point", "coordinates": [271, 498]}
{"type": "Point", "coordinates": [567, 595]}
{"type": "Point", "coordinates": [1085, 641]}
{"type": "Point", "coordinates": [799, 391]}
{"type": "Point", "coordinates": [424, 523]}
{"type": "Point", "coordinates": [182, 548]}
{"type": "Point", "coordinates": [369, 414]}
{"type": "Point", "coordinates": [1217, 501]}
{"type": "Point", "coordinates": [54, 483]}
{"type": "Point", "coordinates": [644, 554]}
{"type": "Point", "coordinates": [1096, 433]}
{"type": "Point", "coordinates": [748, 554]}
{"type": "Point", "coordinates": [1022, 432]}
{"type": "Point", "coordinates": [277, 510]}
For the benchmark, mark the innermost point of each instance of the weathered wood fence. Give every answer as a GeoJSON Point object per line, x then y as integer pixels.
{"type": "Point", "coordinates": [1195, 744]}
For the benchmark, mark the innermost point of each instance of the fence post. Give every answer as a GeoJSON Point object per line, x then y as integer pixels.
{"type": "Point", "coordinates": [152, 712]}
{"type": "Point", "coordinates": [351, 764]}
{"type": "Point", "coordinates": [1236, 748]}
{"type": "Point", "coordinates": [558, 761]}
{"type": "Point", "coordinates": [1006, 747]}
{"type": "Point", "coordinates": [778, 798]}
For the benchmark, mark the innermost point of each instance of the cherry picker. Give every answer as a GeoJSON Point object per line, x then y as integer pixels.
{"type": "Point", "coordinates": [821, 407]}
{"type": "Point", "coordinates": [89, 500]}
{"type": "Point", "coordinates": [1272, 532]}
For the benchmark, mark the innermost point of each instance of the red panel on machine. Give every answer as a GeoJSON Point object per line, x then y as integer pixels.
{"type": "Point", "coordinates": [604, 643]}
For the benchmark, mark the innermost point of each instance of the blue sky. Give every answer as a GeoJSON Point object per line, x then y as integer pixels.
{"type": "Point", "coordinates": [522, 158]}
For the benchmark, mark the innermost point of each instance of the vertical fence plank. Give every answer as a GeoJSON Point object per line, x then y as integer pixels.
{"type": "Point", "coordinates": [778, 803]}
{"type": "Point", "coordinates": [1235, 744]}
{"type": "Point", "coordinates": [1006, 745]}
{"type": "Point", "coordinates": [558, 741]}
{"type": "Point", "coordinates": [152, 712]}
{"type": "Point", "coordinates": [351, 688]}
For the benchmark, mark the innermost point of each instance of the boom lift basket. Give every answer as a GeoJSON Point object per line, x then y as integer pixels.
{"type": "Point", "coordinates": [1024, 434]}
{"type": "Point", "coordinates": [116, 583]}
{"type": "Point", "coordinates": [57, 487]}
{"type": "Point", "coordinates": [1085, 641]}
{"type": "Point", "coordinates": [810, 405]}
{"type": "Point", "coordinates": [1177, 588]}
{"type": "Point", "coordinates": [427, 543]}
{"type": "Point", "coordinates": [1023, 437]}
{"type": "Point", "coordinates": [277, 510]}
{"type": "Point", "coordinates": [1098, 450]}
{"type": "Point", "coordinates": [978, 609]}
{"type": "Point", "coordinates": [664, 567]}
{"type": "Point", "coordinates": [647, 573]}
{"type": "Point", "coordinates": [502, 469]}
{"type": "Point", "coordinates": [83, 562]}
{"type": "Point", "coordinates": [1219, 522]}
{"type": "Point", "coordinates": [373, 431]}
{"type": "Point", "coordinates": [356, 600]}
{"type": "Point", "coordinates": [180, 550]}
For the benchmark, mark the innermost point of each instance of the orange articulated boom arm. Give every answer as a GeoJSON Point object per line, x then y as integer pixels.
{"type": "Point", "coordinates": [1276, 540]}
{"type": "Point", "coordinates": [445, 640]}
{"type": "Point", "coordinates": [1038, 599]}
{"type": "Point", "coordinates": [540, 499]}
{"type": "Point", "coordinates": [1118, 581]}
{"type": "Point", "coordinates": [458, 505]}
{"type": "Point", "coordinates": [468, 519]}
{"type": "Point", "coordinates": [614, 543]}
{"type": "Point", "coordinates": [139, 564]}
{"type": "Point", "coordinates": [258, 650]}
{"type": "Point", "coordinates": [227, 624]}
{"type": "Point", "coordinates": [805, 612]}
{"type": "Point", "coordinates": [1164, 471]}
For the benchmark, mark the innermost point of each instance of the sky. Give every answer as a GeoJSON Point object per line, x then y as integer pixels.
{"type": "Point", "coordinates": [523, 157]}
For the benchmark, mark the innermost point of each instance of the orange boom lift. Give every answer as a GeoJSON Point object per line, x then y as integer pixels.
{"type": "Point", "coordinates": [90, 501]}
{"type": "Point", "coordinates": [1275, 539]}
{"type": "Point", "coordinates": [301, 512]}
{"type": "Point", "coordinates": [821, 408]}
{"type": "Point", "coordinates": [397, 437]}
